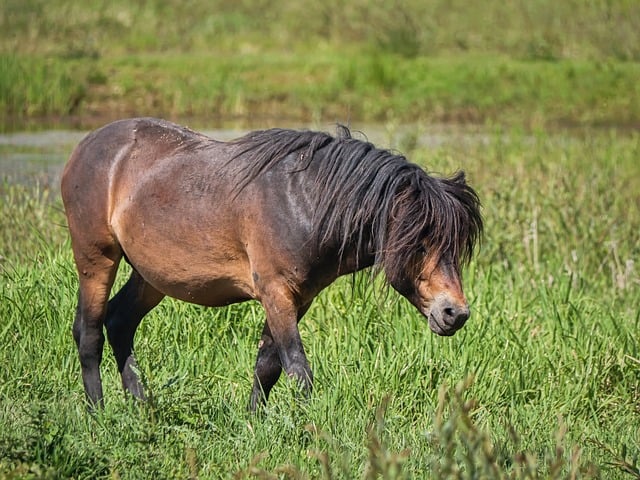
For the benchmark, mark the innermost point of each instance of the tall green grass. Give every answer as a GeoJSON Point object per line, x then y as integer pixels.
{"type": "Point", "coordinates": [33, 86]}
{"type": "Point", "coordinates": [545, 29]}
{"type": "Point", "coordinates": [543, 382]}
{"type": "Point", "coordinates": [529, 63]}
{"type": "Point", "coordinates": [330, 86]}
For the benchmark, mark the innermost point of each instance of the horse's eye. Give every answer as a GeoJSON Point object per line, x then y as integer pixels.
{"type": "Point", "coordinates": [422, 251]}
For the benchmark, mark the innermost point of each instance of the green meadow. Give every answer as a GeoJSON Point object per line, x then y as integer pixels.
{"type": "Point", "coordinates": [538, 102]}
{"type": "Point", "coordinates": [543, 381]}
{"type": "Point", "coordinates": [534, 64]}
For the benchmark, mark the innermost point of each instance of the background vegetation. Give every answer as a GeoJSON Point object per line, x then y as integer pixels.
{"type": "Point", "coordinates": [532, 63]}
{"type": "Point", "coordinates": [543, 382]}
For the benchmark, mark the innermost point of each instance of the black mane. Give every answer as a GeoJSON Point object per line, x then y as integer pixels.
{"type": "Point", "coordinates": [372, 199]}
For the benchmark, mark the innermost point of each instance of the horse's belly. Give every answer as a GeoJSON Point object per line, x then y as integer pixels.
{"type": "Point", "coordinates": [188, 246]}
{"type": "Point", "coordinates": [211, 274]}
{"type": "Point", "coordinates": [218, 287]}
{"type": "Point", "coordinates": [211, 293]}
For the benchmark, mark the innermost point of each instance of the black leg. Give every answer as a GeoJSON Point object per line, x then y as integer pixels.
{"type": "Point", "coordinates": [267, 370]}
{"type": "Point", "coordinates": [89, 339]}
{"type": "Point", "coordinates": [124, 313]}
{"type": "Point", "coordinates": [95, 283]}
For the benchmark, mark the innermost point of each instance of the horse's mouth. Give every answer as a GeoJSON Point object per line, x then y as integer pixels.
{"type": "Point", "coordinates": [438, 327]}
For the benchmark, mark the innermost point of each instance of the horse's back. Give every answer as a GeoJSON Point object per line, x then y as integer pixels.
{"type": "Point", "coordinates": [161, 194]}
{"type": "Point", "coordinates": [118, 154]}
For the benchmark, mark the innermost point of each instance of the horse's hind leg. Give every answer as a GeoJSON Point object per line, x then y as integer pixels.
{"type": "Point", "coordinates": [124, 313]}
{"type": "Point", "coordinates": [96, 272]}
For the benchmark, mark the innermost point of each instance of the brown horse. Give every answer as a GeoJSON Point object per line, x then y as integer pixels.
{"type": "Point", "coordinates": [275, 216]}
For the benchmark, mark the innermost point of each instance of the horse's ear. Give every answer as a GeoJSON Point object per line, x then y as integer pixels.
{"type": "Point", "coordinates": [342, 131]}
{"type": "Point", "coordinates": [459, 177]}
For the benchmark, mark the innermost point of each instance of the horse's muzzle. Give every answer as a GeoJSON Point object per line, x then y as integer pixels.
{"type": "Point", "coordinates": [446, 318]}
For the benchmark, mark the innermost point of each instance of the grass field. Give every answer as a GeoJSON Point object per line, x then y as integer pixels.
{"type": "Point", "coordinates": [538, 101]}
{"type": "Point", "coordinates": [543, 382]}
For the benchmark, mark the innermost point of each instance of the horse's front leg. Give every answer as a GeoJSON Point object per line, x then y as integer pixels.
{"type": "Point", "coordinates": [280, 347]}
{"type": "Point", "coordinates": [267, 369]}
{"type": "Point", "coordinates": [268, 365]}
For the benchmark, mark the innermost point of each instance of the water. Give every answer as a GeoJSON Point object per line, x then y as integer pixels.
{"type": "Point", "coordinates": [28, 157]}
{"type": "Point", "coordinates": [35, 157]}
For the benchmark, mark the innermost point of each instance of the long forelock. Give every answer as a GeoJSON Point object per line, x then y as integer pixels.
{"type": "Point", "coordinates": [440, 215]}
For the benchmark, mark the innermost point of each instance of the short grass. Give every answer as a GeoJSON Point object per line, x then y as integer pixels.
{"type": "Point", "coordinates": [543, 382]}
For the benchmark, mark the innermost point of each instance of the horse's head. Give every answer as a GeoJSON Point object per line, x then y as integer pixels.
{"type": "Point", "coordinates": [434, 286]}
{"type": "Point", "coordinates": [433, 229]}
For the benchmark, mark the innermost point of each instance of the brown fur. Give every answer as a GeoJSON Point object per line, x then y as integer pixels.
{"type": "Point", "coordinates": [275, 216]}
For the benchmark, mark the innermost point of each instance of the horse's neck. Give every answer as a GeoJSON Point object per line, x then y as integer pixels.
{"type": "Point", "coordinates": [354, 259]}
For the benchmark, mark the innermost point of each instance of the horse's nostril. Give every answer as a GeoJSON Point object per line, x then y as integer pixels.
{"type": "Point", "coordinates": [463, 315]}
{"type": "Point", "coordinates": [457, 315]}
